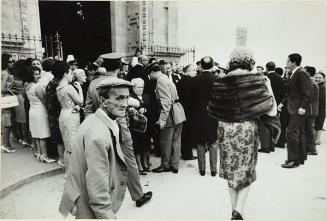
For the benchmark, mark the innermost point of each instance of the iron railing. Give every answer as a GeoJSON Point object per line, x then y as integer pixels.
{"type": "Point", "coordinates": [28, 46]}
{"type": "Point", "coordinates": [184, 56]}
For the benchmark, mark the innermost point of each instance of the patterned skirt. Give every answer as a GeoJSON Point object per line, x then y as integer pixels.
{"type": "Point", "coordinates": [238, 146]}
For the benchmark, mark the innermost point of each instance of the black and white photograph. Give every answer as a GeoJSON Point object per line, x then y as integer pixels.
{"type": "Point", "coordinates": [163, 110]}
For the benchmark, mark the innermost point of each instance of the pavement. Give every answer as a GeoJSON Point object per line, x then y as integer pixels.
{"type": "Point", "coordinates": [22, 168]}
{"type": "Point", "coordinates": [277, 194]}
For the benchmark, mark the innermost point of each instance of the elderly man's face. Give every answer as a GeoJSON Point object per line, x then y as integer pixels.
{"type": "Point", "coordinates": [117, 102]}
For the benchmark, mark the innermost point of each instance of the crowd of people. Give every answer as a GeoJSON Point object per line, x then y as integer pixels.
{"type": "Point", "coordinates": [164, 109]}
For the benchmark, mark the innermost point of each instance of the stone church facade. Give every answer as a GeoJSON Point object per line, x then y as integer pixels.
{"type": "Point", "coordinates": [147, 26]}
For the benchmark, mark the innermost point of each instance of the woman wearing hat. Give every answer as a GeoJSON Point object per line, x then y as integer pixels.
{"type": "Point", "coordinates": [237, 117]}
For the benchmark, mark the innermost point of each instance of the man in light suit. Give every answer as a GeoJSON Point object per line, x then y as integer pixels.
{"type": "Point", "coordinates": [97, 175]}
{"type": "Point", "coordinates": [112, 62]}
{"type": "Point", "coordinates": [298, 103]}
{"type": "Point", "coordinates": [170, 131]}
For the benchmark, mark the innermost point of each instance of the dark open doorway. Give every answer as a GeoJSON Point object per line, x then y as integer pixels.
{"type": "Point", "coordinates": [84, 27]}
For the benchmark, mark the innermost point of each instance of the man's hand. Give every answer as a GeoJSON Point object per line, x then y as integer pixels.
{"type": "Point", "coordinates": [279, 108]}
{"type": "Point", "coordinates": [301, 111]}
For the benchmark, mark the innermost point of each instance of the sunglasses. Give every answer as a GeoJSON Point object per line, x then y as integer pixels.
{"type": "Point", "coordinates": [10, 61]}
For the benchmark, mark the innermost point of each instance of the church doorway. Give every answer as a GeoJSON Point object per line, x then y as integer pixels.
{"type": "Point", "coordinates": [84, 27]}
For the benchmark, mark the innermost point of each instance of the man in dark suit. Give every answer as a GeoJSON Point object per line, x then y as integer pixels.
{"type": "Point", "coordinates": [298, 103]}
{"type": "Point", "coordinates": [184, 93]}
{"type": "Point", "coordinates": [278, 88]}
{"type": "Point", "coordinates": [204, 126]}
{"type": "Point", "coordinates": [311, 115]}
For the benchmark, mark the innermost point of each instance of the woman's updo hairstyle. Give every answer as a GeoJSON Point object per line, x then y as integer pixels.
{"type": "Point", "coordinates": [241, 57]}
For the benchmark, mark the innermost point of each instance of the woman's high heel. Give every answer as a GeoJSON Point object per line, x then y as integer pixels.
{"type": "Point", "coordinates": [7, 150]}
{"type": "Point", "coordinates": [46, 159]}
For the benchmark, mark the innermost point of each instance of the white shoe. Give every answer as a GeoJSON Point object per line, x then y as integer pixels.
{"type": "Point", "coordinates": [60, 163]}
{"type": "Point", "coordinates": [47, 159]}
{"type": "Point", "coordinates": [7, 150]}
{"type": "Point", "coordinates": [25, 144]}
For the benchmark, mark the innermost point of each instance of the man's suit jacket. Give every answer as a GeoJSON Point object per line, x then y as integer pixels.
{"type": "Point", "coordinates": [204, 126]}
{"type": "Point", "coordinates": [166, 94]}
{"type": "Point", "coordinates": [299, 92]}
{"type": "Point", "coordinates": [97, 174]}
{"type": "Point", "coordinates": [277, 85]}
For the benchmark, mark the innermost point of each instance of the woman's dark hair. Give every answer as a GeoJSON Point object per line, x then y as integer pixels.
{"type": "Point", "coordinates": [29, 62]}
{"type": "Point", "coordinates": [59, 69]}
{"type": "Point", "coordinates": [20, 69]}
{"type": "Point", "coordinates": [5, 60]}
{"type": "Point", "coordinates": [47, 64]}
{"type": "Point", "coordinates": [30, 74]}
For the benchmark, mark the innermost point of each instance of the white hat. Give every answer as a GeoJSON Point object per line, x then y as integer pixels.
{"type": "Point", "coordinates": [70, 58]}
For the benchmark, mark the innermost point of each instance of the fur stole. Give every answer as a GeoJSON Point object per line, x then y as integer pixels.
{"type": "Point", "coordinates": [239, 96]}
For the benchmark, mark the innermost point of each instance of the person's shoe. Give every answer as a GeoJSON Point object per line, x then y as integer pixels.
{"type": "Point", "coordinates": [160, 170]}
{"type": "Point", "coordinates": [192, 158]}
{"type": "Point", "coordinates": [312, 153]}
{"type": "Point", "coordinates": [46, 159]}
{"type": "Point", "coordinates": [202, 173]}
{"type": "Point", "coordinates": [142, 172]}
{"type": "Point", "coordinates": [7, 150]}
{"type": "Point", "coordinates": [263, 151]}
{"type": "Point", "coordinates": [60, 163]}
{"type": "Point", "coordinates": [25, 144]}
{"type": "Point", "coordinates": [290, 164]}
{"type": "Point", "coordinates": [236, 216]}
{"type": "Point", "coordinates": [174, 170]}
{"type": "Point", "coordinates": [213, 173]}
{"type": "Point", "coordinates": [145, 198]}
{"type": "Point", "coordinates": [302, 162]}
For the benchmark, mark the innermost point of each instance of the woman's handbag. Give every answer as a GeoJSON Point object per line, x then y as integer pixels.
{"type": "Point", "coordinates": [138, 122]}
{"type": "Point", "coordinates": [178, 113]}
{"type": "Point", "coordinates": [9, 101]}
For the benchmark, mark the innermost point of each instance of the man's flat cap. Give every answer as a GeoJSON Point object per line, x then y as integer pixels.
{"type": "Point", "coordinates": [113, 82]}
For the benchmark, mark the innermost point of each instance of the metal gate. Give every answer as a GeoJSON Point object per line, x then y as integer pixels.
{"type": "Point", "coordinates": [28, 46]}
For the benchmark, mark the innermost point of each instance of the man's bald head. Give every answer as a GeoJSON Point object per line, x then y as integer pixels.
{"type": "Point", "coordinates": [206, 63]}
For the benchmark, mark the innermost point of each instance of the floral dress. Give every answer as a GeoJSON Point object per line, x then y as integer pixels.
{"type": "Point", "coordinates": [238, 146]}
{"type": "Point", "coordinates": [69, 119]}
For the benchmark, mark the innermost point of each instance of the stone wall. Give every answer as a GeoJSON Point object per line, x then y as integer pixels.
{"type": "Point", "coordinates": [20, 28]}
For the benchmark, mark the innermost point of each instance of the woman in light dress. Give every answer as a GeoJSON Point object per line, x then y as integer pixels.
{"type": "Point", "coordinates": [70, 101]}
{"type": "Point", "coordinates": [38, 117]}
{"type": "Point", "coordinates": [6, 83]}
